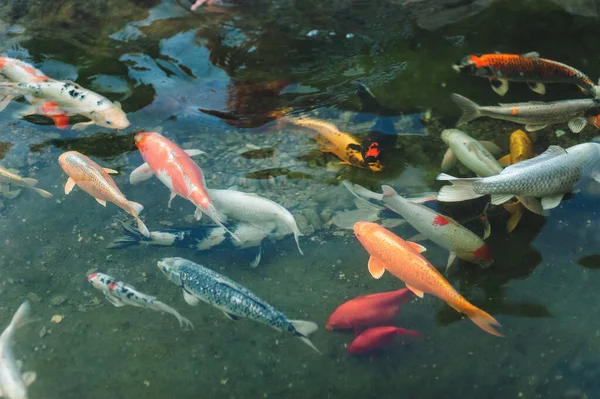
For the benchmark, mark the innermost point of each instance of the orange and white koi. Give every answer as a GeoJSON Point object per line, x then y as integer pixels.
{"type": "Point", "coordinates": [73, 98]}
{"type": "Point", "coordinates": [120, 294]}
{"type": "Point", "coordinates": [95, 180]}
{"type": "Point", "coordinates": [21, 72]}
{"type": "Point", "coordinates": [404, 260]}
{"type": "Point", "coordinates": [442, 230]}
{"type": "Point", "coordinates": [176, 170]}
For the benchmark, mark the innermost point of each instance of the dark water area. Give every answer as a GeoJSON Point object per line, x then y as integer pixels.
{"type": "Point", "coordinates": [223, 80]}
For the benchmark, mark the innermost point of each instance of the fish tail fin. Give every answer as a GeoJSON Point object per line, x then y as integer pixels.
{"type": "Point", "coordinates": [212, 212]}
{"type": "Point", "coordinates": [470, 109]}
{"type": "Point", "coordinates": [305, 328]}
{"type": "Point", "coordinates": [460, 190]}
{"type": "Point", "coordinates": [135, 210]}
{"type": "Point", "coordinates": [41, 192]}
{"type": "Point", "coordinates": [482, 319]}
{"type": "Point", "coordinates": [22, 316]}
{"type": "Point", "coordinates": [131, 238]}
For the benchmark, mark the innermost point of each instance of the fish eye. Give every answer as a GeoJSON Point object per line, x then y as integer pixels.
{"type": "Point", "coordinates": [108, 122]}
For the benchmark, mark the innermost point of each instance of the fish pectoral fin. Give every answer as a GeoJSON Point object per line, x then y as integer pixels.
{"type": "Point", "coordinates": [114, 301]}
{"type": "Point", "coordinates": [82, 125]}
{"type": "Point", "coordinates": [515, 217]}
{"type": "Point", "coordinates": [500, 86]}
{"type": "Point", "coordinates": [532, 204]}
{"type": "Point", "coordinates": [194, 153]}
{"type": "Point", "coordinates": [171, 198]}
{"type": "Point", "coordinates": [141, 173]}
{"type": "Point", "coordinates": [551, 202]}
{"type": "Point", "coordinates": [451, 259]}
{"type": "Point", "coordinates": [576, 125]}
{"type": "Point", "coordinates": [537, 87]}
{"type": "Point", "coordinates": [417, 237]}
{"type": "Point", "coordinates": [111, 171]}
{"type": "Point", "coordinates": [491, 147]}
{"type": "Point", "coordinates": [531, 127]}
{"type": "Point", "coordinates": [449, 160]}
{"type": "Point", "coordinates": [498, 199]}
{"type": "Point", "coordinates": [29, 378]}
{"type": "Point", "coordinates": [257, 257]}
{"type": "Point", "coordinates": [415, 291]}
{"type": "Point", "coordinates": [505, 160]}
{"type": "Point", "coordinates": [231, 316]}
{"type": "Point", "coordinates": [487, 228]}
{"type": "Point", "coordinates": [190, 299]}
{"type": "Point", "coordinates": [69, 185]}
{"type": "Point", "coordinates": [417, 247]}
{"type": "Point", "coordinates": [101, 202]}
{"type": "Point", "coordinates": [376, 268]}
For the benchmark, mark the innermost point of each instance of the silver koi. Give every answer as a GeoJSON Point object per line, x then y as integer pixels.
{"type": "Point", "coordinates": [120, 294]}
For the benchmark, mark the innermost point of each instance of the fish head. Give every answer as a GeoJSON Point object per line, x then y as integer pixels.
{"type": "Point", "coordinates": [448, 134]}
{"type": "Point", "coordinates": [467, 65]}
{"type": "Point", "coordinates": [364, 231]}
{"type": "Point", "coordinates": [112, 118]}
{"type": "Point", "coordinates": [143, 140]}
{"type": "Point", "coordinates": [170, 268]}
{"type": "Point", "coordinates": [594, 120]}
{"type": "Point", "coordinates": [100, 281]}
{"type": "Point", "coordinates": [482, 256]}
{"type": "Point", "coordinates": [68, 160]}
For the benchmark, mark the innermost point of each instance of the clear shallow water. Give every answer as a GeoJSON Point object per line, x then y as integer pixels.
{"type": "Point", "coordinates": [164, 63]}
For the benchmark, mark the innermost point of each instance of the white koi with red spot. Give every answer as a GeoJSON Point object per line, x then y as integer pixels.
{"type": "Point", "coordinates": [175, 169]}
{"type": "Point", "coordinates": [442, 230]}
{"type": "Point", "coordinates": [120, 294]}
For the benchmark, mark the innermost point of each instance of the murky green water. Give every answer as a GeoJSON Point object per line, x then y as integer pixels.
{"type": "Point", "coordinates": [164, 63]}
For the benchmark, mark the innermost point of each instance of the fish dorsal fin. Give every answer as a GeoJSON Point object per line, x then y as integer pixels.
{"type": "Point", "coordinates": [417, 247]}
{"type": "Point", "coordinates": [415, 291]}
{"type": "Point", "coordinates": [118, 104]}
{"type": "Point", "coordinates": [228, 283]}
{"type": "Point", "coordinates": [376, 268]}
{"type": "Point", "coordinates": [531, 54]}
{"type": "Point", "coordinates": [552, 152]}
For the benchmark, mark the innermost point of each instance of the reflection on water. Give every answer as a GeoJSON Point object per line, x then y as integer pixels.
{"type": "Point", "coordinates": [220, 79]}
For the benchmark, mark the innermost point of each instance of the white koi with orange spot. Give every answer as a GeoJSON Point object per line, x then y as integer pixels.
{"type": "Point", "coordinates": [21, 72]}
{"type": "Point", "coordinates": [176, 170]}
{"type": "Point", "coordinates": [74, 99]}
{"type": "Point", "coordinates": [95, 180]}
{"type": "Point", "coordinates": [442, 230]}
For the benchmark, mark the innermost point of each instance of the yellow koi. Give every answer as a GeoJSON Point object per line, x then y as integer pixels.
{"type": "Point", "coordinates": [521, 149]}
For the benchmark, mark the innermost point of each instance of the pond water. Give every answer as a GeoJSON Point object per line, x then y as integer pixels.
{"type": "Point", "coordinates": [222, 79]}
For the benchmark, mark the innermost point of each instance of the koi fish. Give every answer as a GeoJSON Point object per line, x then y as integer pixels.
{"type": "Point", "coordinates": [521, 149]}
{"type": "Point", "coordinates": [529, 67]}
{"type": "Point", "coordinates": [202, 238]}
{"type": "Point", "coordinates": [549, 176]}
{"type": "Point", "coordinates": [478, 158]}
{"type": "Point", "coordinates": [535, 115]}
{"type": "Point", "coordinates": [120, 294]}
{"type": "Point", "coordinates": [13, 385]}
{"type": "Point", "coordinates": [377, 337]}
{"type": "Point", "coordinates": [368, 310]}
{"type": "Point", "coordinates": [6, 176]}
{"type": "Point", "coordinates": [404, 260]}
{"type": "Point", "coordinates": [343, 145]}
{"type": "Point", "coordinates": [72, 98]}
{"type": "Point", "coordinates": [200, 283]}
{"type": "Point", "coordinates": [175, 169]}
{"type": "Point", "coordinates": [21, 72]}
{"type": "Point", "coordinates": [442, 230]}
{"type": "Point", "coordinates": [95, 180]}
